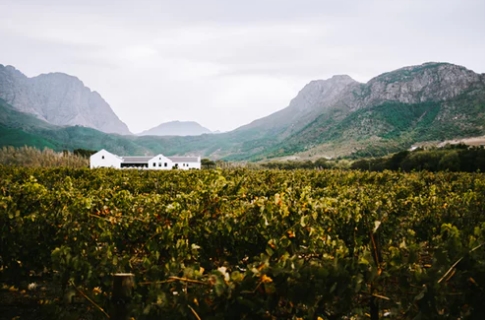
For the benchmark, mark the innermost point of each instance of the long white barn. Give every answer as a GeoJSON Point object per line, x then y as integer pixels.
{"type": "Point", "coordinates": [105, 159]}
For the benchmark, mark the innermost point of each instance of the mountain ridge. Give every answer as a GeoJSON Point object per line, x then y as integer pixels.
{"type": "Point", "coordinates": [336, 117]}
{"type": "Point", "coordinates": [176, 128]}
{"type": "Point", "coordinates": [59, 99]}
{"type": "Point", "coordinates": [405, 90]}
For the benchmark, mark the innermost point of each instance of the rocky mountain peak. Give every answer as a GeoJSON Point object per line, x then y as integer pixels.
{"type": "Point", "coordinates": [316, 96]}
{"type": "Point", "coordinates": [59, 99]}
{"type": "Point", "coordinates": [342, 78]}
{"type": "Point", "coordinates": [12, 71]}
{"type": "Point", "coordinates": [321, 93]}
{"type": "Point", "coordinates": [430, 81]}
{"type": "Point", "coordinates": [59, 78]}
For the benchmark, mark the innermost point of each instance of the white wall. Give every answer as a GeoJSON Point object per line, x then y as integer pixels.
{"type": "Point", "coordinates": [188, 165]}
{"type": "Point", "coordinates": [160, 162]}
{"type": "Point", "coordinates": [195, 165]}
{"type": "Point", "coordinates": [104, 159]}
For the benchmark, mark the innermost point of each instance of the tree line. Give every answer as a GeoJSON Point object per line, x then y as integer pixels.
{"type": "Point", "coordinates": [454, 158]}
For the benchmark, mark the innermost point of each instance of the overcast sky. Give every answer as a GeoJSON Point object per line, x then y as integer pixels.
{"type": "Point", "coordinates": [224, 63]}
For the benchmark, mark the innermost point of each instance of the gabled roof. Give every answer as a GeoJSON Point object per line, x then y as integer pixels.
{"type": "Point", "coordinates": [145, 159]}
{"type": "Point", "coordinates": [136, 159]}
{"type": "Point", "coordinates": [177, 159]}
{"type": "Point", "coordinates": [184, 159]}
{"type": "Point", "coordinates": [114, 155]}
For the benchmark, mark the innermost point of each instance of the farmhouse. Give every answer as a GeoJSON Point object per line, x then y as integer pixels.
{"type": "Point", "coordinates": [105, 159]}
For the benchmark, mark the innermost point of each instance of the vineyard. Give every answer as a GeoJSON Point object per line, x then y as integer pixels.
{"type": "Point", "coordinates": [246, 244]}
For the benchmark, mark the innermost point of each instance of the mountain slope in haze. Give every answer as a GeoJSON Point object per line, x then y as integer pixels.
{"type": "Point", "coordinates": [58, 99]}
{"type": "Point", "coordinates": [315, 98]}
{"type": "Point", "coordinates": [338, 116]}
{"type": "Point", "coordinates": [176, 128]}
{"type": "Point", "coordinates": [24, 129]}
{"type": "Point", "coordinates": [429, 102]}
{"type": "Point", "coordinates": [14, 127]}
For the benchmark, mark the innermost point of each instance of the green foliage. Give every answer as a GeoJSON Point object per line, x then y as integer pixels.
{"type": "Point", "coordinates": [321, 163]}
{"type": "Point", "coordinates": [240, 244]}
{"type": "Point", "coordinates": [451, 158]}
{"type": "Point", "coordinates": [388, 127]}
{"type": "Point", "coordinates": [207, 164]}
{"type": "Point", "coordinates": [84, 153]}
{"type": "Point", "coordinates": [18, 138]}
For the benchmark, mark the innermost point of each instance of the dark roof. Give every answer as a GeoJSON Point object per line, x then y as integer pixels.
{"type": "Point", "coordinates": [136, 159]}
{"type": "Point", "coordinates": [184, 159]}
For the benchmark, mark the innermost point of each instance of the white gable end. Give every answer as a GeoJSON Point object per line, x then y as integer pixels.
{"type": "Point", "coordinates": [160, 162]}
{"type": "Point", "coordinates": [104, 159]}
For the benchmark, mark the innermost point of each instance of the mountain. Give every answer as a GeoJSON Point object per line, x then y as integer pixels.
{"type": "Point", "coordinates": [315, 98]}
{"type": "Point", "coordinates": [58, 99]}
{"type": "Point", "coordinates": [176, 128]}
{"type": "Point", "coordinates": [24, 129]}
{"type": "Point", "coordinates": [428, 102]}
{"type": "Point", "coordinates": [339, 116]}
{"type": "Point", "coordinates": [334, 117]}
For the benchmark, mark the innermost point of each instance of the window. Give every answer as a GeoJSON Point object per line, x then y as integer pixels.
{"type": "Point", "coordinates": [166, 164]}
{"type": "Point", "coordinates": [160, 164]}
{"type": "Point", "coordinates": [154, 164]}
{"type": "Point", "coordinates": [102, 157]}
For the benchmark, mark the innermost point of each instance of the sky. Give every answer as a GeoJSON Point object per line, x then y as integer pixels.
{"type": "Point", "coordinates": [225, 63]}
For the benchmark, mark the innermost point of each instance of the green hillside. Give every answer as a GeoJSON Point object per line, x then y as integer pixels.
{"type": "Point", "coordinates": [18, 138]}
{"type": "Point", "coordinates": [335, 117]}
{"type": "Point", "coordinates": [377, 130]}
{"type": "Point", "coordinates": [389, 127]}
{"type": "Point", "coordinates": [21, 129]}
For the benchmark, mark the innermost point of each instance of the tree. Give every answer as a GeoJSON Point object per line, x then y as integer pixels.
{"type": "Point", "coordinates": [207, 164]}
{"type": "Point", "coordinates": [450, 161]}
{"type": "Point", "coordinates": [85, 153]}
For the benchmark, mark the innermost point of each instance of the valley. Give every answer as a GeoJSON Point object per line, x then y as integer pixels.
{"type": "Point", "coordinates": [337, 117]}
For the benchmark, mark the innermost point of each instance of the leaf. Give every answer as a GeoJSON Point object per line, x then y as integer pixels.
{"type": "Point", "coordinates": [377, 224]}
{"type": "Point", "coordinates": [302, 221]}
{"type": "Point", "coordinates": [269, 288]}
{"type": "Point", "coordinates": [419, 296]}
{"type": "Point", "coordinates": [334, 286]}
{"type": "Point", "coordinates": [219, 288]}
{"type": "Point", "coordinates": [363, 261]}
{"type": "Point", "coordinates": [269, 251]}
{"type": "Point", "coordinates": [266, 279]}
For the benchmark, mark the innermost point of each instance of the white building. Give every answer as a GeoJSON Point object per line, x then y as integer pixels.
{"type": "Point", "coordinates": [105, 159]}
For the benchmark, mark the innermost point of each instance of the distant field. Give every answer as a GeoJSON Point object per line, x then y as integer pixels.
{"type": "Point", "coordinates": [474, 141]}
